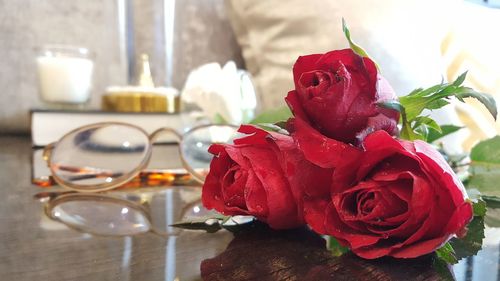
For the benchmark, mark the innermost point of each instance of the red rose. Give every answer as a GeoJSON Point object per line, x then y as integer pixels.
{"type": "Point", "coordinates": [402, 200]}
{"type": "Point", "coordinates": [337, 93]}
{"type": "Point", "coordinates": [263, 175]}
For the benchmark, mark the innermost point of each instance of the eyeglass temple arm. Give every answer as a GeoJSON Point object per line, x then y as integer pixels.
{"type": "Point", "coordinates": [47, 152]}
{"type": "Point", "coordinates": [197, 176]}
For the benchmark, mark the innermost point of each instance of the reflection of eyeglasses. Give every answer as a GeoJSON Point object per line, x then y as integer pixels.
{"type": "Point", "coordinates": [124, 213]}
{"type": "Point", "coordinates": [166, 212]}
{"type": "Point", "coordinates": [104, 156]}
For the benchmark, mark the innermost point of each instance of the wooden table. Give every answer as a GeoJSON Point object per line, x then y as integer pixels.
{"type": "Point", "coordinates": [34, 247]}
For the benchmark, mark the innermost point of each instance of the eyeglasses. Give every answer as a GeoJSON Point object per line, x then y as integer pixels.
{"type": "Point", "coordinates": [104, 156]}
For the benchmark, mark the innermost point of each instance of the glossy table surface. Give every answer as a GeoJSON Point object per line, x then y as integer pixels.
{"type": "Point", "coordinates": [35, 247]}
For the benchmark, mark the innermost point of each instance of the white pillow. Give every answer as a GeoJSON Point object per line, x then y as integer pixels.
{"type": "Point", "coordinates": [403, 37]}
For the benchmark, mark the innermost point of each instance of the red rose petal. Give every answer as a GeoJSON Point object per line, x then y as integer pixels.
{"type": "Point", "coordinates": [255, 136]}
{"type": "Point", "coordinates": [233, 184]}
{"type": "Point", "coordinates": [320, 150]}
{"type": "Point", "coordinates": [314, 213]}
{"type": "Point", "coordinates": [256, 196]}
{"type": "Point", "coordinates": [386, 93]}
{"type": "Point", "coordinates": [414, 247]}
{"type": "Point", "coordinates": [300, 173]}
{"type": "Point", "coordinates": [372, 252]}
{"type": "Point", "coordinates": [462, 216]}
{"type": "Point", "coordinates": [434, 164]}
{"type": "Point", "coordinates": [315, 82]}
{"type": "Point", "coordinates": [336, 227]}
{"type": "Point", "coordinates": [419, 208]}
{"type": "Point", "coordinates": [304, 64]}
{"type": "Point", "coordinates": [420, 248]}
{"type": "Point", "coordinates": [380, 145]}
{"type": "Point", "coordinates": [378, 122]}
{"type": "Point", "coordinates": [293, 102]}
{"type": "Point", "coordinates": [281, 203]}
{"type": "Point", "coordinates": [211, 191]}
{"type": "Point", "coordinates": [237, 157]}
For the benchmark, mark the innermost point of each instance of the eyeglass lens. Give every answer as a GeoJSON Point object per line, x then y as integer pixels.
{"type": "Point", "coordinates": [195, 144]}
{"type": "Point", "coordinates": [101, 154]}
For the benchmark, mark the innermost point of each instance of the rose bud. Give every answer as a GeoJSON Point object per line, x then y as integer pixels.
{"type": "Point", "coordinates": [337, 94]}
{"type": "Point", "coordinates": [402, 200]}
{"type": "Point", "coordinates": [262, 175]}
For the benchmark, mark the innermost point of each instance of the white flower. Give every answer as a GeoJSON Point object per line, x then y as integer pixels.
{"type": "Point", "coordinates": [226, 91]}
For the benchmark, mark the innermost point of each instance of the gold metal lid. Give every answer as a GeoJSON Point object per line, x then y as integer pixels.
{"type": "Point", "coordinates": [140, 99]}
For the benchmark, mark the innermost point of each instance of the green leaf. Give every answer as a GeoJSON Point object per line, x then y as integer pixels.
{"type": "Point", "coordinates": [479, 208]}
{"type": "Point", "coordinates": [492, 202]}
{"type": "Point", "coordinates": [487, 151]}
{"type": "Point", "coordinates": [473, 240]}
{"type": "Point", "coordinates": [437, 104]}
{"type": "Point", "coordinates": [210, 225]}
{"type": "Point", "coordinates": [272, 116]}
{"type": "Point", "coordinates": [460, 79]}
{"type": "Point", "coordinates": [433, 98]}
{"type": "Point", "coordinates": [487, 100]}
{"type": "Point", "coordinates": [445, 130]}
{"type": "Point", "coordinates": [485, 177]}
{"type": "Point", "coordinates": [429, 122]}
{"type": "Point", "coordinates": [355, 47]}
{"type": "Point", "coordinates": [447, 254]}
{"type": "Point", "coordinates": [422, 125]}
{"type": "Point", "coordinates": [273, 128]}
{"type": "Point", "coordinates": [484, 171]}
{"type": "Point", "coordinates": [430, 98]}
{"type": "Point", "coordinates": [408, 133]}
{"type": "Point", "coordinates": [238, 223]}
{"type": "Point", "coordinates": [492, 218]}
{"type": "Point", "coordinates": [422, 131]}
{"type": "Point", "coordinates": [335, 248]}
{"type": "Point", "coordinates": [442, 269]}
{"type": "Point", "coordinates": [214, 224]}
{"type": "Point", "coordinates": [392, 104]}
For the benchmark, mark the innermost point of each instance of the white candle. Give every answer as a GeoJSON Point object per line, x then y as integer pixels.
{"type": "Point", "coordinates": [64, 79]}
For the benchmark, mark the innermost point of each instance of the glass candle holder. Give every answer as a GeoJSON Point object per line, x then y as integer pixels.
{"type": "Point", "coordinates": [64, 74]}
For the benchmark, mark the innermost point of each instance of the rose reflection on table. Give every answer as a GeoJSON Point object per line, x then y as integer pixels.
{"type": "Point", "coordinates": [300, 254]}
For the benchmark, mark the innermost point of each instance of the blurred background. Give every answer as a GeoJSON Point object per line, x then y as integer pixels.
{"type": "Point", "coordinates": [416, 42]}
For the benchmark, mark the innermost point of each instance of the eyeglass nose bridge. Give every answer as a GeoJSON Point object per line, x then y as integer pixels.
{"type": "Point", "coordinates": [154, 136]}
